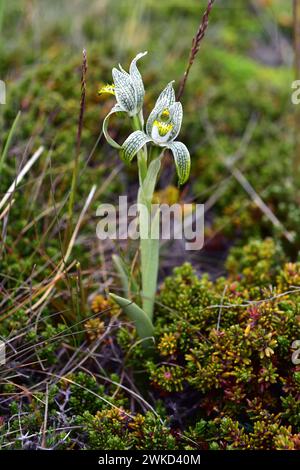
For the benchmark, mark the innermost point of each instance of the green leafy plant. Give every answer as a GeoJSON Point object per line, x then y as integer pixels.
{"type": "Point", "coordinates": [161, 129]}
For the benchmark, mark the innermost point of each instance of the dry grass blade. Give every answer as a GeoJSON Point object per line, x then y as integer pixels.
{"type": "Point", "coordinates": [68, 251]}
{"type": "Point", "coordinates": [242, 180]}
{"type": "Point", "coordinates": [8, 141]}
{"type": "Point", "coordinates": [20, 176]}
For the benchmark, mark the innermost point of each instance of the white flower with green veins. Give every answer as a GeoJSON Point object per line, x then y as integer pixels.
{"type": "Point", "coordinates": [162, 128]}
{"type": "Point", "coordinates": [128, 88]}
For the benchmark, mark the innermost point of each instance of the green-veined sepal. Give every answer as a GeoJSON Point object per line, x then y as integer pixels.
{"type": "Point", "coordinates": [137, 81]}
{"type": "Point", "coordinates": [176, 114]}
{"type": "Point", "coordinates": [129, 87]}
{"type": "Point", "coordinates": [124, 90]}
{"type": "Point", "coordinates": [133, 144]}
{"type": "Point", "coordinates": [167, 95]}
{"type": "Point", "coordinates": [164, 101]}
{"type": "Point", "coordinates": [182, 160]}
{"type": "Point", "coordinates": [112, 142]}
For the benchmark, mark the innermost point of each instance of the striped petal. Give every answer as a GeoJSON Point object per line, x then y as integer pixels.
{"type": "Point", "coordinates": [124, 90]}
{"type": "Point", "coordinates": [176, 114]}
{"type": "Point", "coordinates": [182, 160]}
{"type": "Point", "coordinates": [153, 116]}
{"type": "Point", "coordinates": [116, 109]}
{"type": "Point", "coordinates": [133, 144]}
{"type": "Point", "coordinates": [137, 81]}
{"type": "Point", "coordinates": [167, 95]}
{"type": "Point", "coordinates": [165, 100]}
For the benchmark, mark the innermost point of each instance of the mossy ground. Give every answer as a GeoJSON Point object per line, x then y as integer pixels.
{"type": "Point", "coordinates": [224, 342]}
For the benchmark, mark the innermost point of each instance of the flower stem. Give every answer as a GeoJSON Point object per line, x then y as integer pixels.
{"type": "Point", "coordinates": [148, 222]}
{"type": "Point", "coordinates": [142, 156]}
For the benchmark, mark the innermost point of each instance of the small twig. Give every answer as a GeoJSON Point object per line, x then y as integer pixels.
{"type": "Point", "coordinates": [195, 46]}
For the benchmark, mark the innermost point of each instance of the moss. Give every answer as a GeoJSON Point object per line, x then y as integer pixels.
{"type": "Point", "coordinates": [238, 352]}
{"type": "Point", "coordinates": [116, 429]}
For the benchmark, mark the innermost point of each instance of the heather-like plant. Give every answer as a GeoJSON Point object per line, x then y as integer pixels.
{"type": "Point", "coordinates": [147, 142]}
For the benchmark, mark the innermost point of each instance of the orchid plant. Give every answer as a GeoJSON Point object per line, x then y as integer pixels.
{"type": "Point", "coordinates": [148, 143]}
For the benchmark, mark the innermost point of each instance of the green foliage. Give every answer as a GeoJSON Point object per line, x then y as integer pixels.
{"type": "Point", "coordinates": [220, 375]}
{"type": "Point", "coordinates": [116, 429]}
{"type": "Point", "coordinates": [225, 342]}
{"type": "Point", "coordinates": [237, 348]}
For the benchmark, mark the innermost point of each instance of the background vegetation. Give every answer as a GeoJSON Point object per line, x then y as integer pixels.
{"type": "Point", "coordinates": [76, 376]}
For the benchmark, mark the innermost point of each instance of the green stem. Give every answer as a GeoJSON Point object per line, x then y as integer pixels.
{"type": "Point", "coordinates": [149, 245]}
{"type": "Point", "coordinates": [149, 237]}
{"type": "Point", "coordinates": [142, 165]}
{"type": "Point", "coordinates": [149, 241]}
{"type": "Point", "coordinates": [142, 156]}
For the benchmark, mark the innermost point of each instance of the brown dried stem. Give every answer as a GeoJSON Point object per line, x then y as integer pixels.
{"type": "Point", "coordinates": [78, 144]}
{"type": "Point", "coordinates": [195, 46]}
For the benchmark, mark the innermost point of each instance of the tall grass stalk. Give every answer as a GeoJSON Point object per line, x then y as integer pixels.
{"type": "Point", "coordinates": [78, 145]}
{"type": "Point", "coordinates": [196, 42]}
{"type": "Point", "coordinates": [8, 141]}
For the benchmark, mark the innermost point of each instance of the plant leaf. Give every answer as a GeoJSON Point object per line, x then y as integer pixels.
{"type": "Point", "coordinates": [149, 241]}
{"type": "Point", "coordinates": [142, 322]}
{"type": "Point", "coordinates": [149, 265]}
{"type": "Point", "coordinates": [149, 183]}
{"type": "Point", "coordinates": [8, 140]}
{"type": "Point", "coordinates": [128, 283]}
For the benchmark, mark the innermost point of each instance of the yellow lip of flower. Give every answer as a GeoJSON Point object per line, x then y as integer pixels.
{"type": "Point", "coordinates": [109, 89]}
{"type": "Point", "coordinates": [165, 115]}
{"type": "Point", "coordinates": [163, 128]}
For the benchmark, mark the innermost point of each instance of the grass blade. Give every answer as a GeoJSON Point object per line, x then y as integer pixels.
{"type": "Point", "coordinates": [11, 132]}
